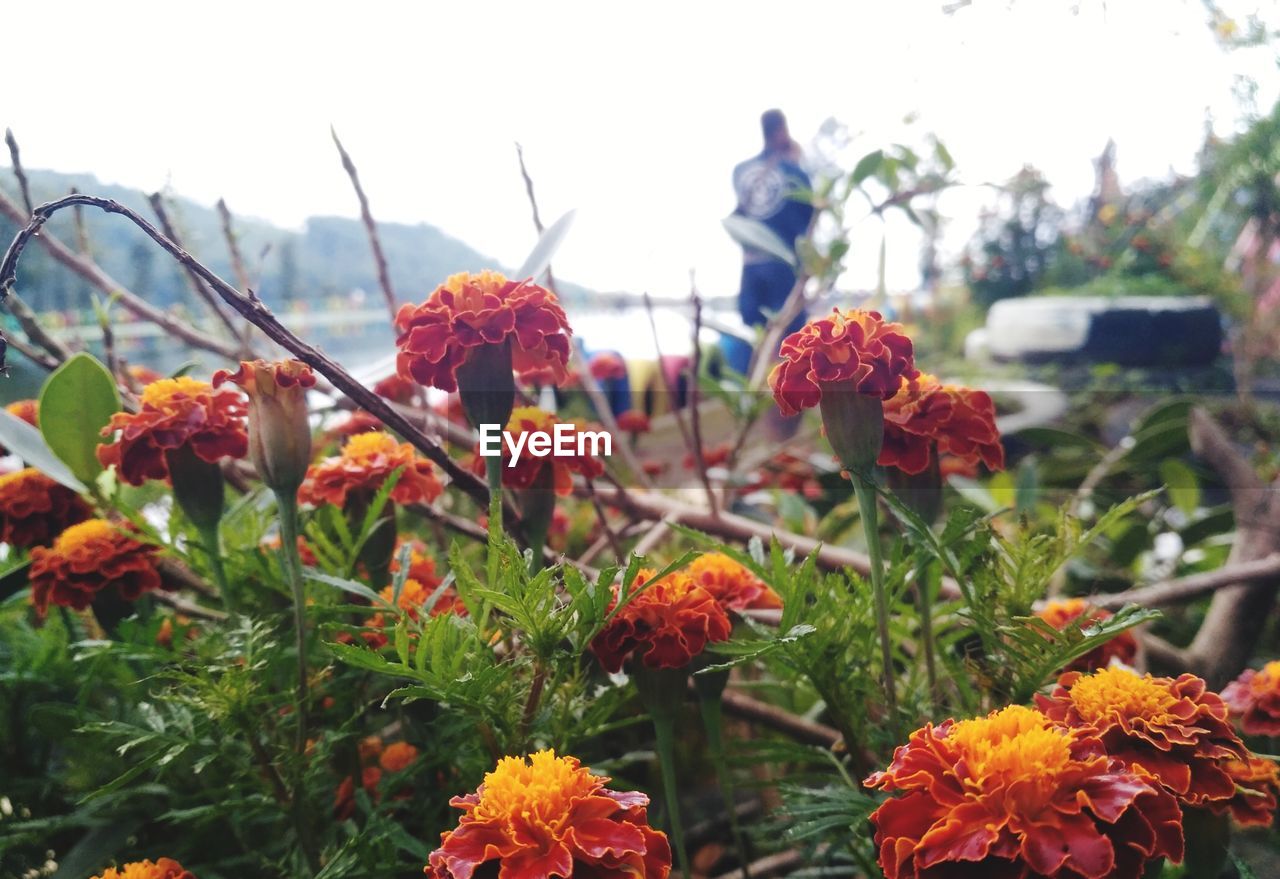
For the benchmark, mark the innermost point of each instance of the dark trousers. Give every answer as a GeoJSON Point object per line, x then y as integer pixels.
{"type": "Point", "coordinates": [765, 288]}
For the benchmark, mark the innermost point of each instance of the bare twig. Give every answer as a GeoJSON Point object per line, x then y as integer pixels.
{"type": "Point", "coordinates": [533, 204]}
{"type": "Point", "coordinates": [12, 143]}
{"type": "Point", "coordinates": [233, 247]}
{"type": "Point", "coordinates": [604, 521]}
{"type": "Point", "coordinates": [82, 230]}
{"type": "Point", "coordinates": [190, 608]}
{"type": "Point", "coordinates": [695, 422]}
{"type": "Point", "coordinates": [673, 398]}
{"type": "Point", "coordinates": [1193, 585]}
{"type": "Point", "coordinates": [375, 244]}
{"type": "Point", "coordinates": [35, 331]}
{"type": "Point", "coordinates": [799, 728]}
{"type": "Point", "coordinates": [36, 356]}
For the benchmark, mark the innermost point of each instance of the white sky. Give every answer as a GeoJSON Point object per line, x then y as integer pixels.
{"type": "Point", "coordinates": [634, 114]}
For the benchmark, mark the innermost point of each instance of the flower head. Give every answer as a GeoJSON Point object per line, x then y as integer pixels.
{"type": "Point", "coordinates": [607, 366]}
{"type": "Point", "coordinates": [414, 596]}
{"type": "Point", "coordinates": [34, 509]}
{"type": "Point", "coordinates": [665, 625]}
{"type": "Point", "coordinates": [731, 583]}
{"type": "Point", "coordinates": [27, 410]}
{"type": "Point", "coordinates": [1014, 795]}
{"type": "Point", "coordinates": [175, 413]}
{"type": "Point", "coordinates": [927, 418]}
{"type": "Point", "coordinates": [633, 421]}
{"type": "Point", "coordinates": [525, 471]}
{"type": "Point", "coordinates": [87, 558]}
{"type": "Point", "coordinates": [1257, 782]}
{"type": "Point", "coordinates": [279, 432]}
{"type": "Point", "coordinates": [165, 868]}
{"type": "Point", "coordinates": [852, 347]}
{"type": "Point", "coordinates": [1122, 648]}
{"type": "Point", "coordinates": [396, 388]}
{"type": "Point", "coordinates": [364, 464]}
{"type": "Point", "coordinates": [545, 816]}
{"type": "Point", "coordinates": [397, 757]}
{"type": "Point", "coordinates": [1254, 700]}
{"type": "Point", "coordinates": [1173, 729]}
{"type": "Point", "coordinates": [468, 311]}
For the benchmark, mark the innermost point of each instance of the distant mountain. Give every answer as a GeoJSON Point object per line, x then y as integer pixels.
{"type": "Point", "coordinates": [329, 258]}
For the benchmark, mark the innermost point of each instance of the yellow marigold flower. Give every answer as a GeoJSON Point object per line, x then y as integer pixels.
{"type": "Point", "coordinates": [731, 583]}
{"type": "Point", "coordinates": [1254, 700]}
{"type": "Point", "coordinates": [1013, 794]}
{"type": "Point", "coordinates": [364, 464]}
{"type": "Point", "coordinates": [86, 559]}
{"type": "Point", "coordinates": [34, 509]}
{"type": "Point", "coordinates": [545, 816]}
{"type": "Point", "coordinates": [165, 868]}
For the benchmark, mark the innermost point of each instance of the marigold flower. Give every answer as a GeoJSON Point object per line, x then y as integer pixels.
{"type": "Point", "coordinates": [1060, 614]}
{"type": "Point", "coordinates": [422, 567]}
{"type": "Point", "coordinates": [165, 868]}
{"type": "Point", "coordinates": [633, 421]}
{"type": "Point", "coordinates": [731, 583]}
{"type": "Point", "coordinates": [927, 418]}
{"type": "Point", "coordinates": [27, 410]}
{"type": "Point", "coordinates": [175, 413]}
{"type": "Point", "coordinates": [397, 757]}
{"type": "Point", "coordinates": [1014, 795]}
{"type": "Point", "coordinates": [397, 389]}
{"type": "Point", "coordinates": [712, 457]}
{"type": "Point", "coordinates": [528, 469]}
{"type": "Point", "coordinates": [87, 558]}
{"type": "Point", "coordinates": [413, 596]}
{"type": "Point", "coordinates": [355, 422]}
{"type": "Point", "coordinates": [142, 375]}
{"type": "Point", "coordinates": [854, 346]}
{"type": "Point", "coordinates": [34, 509]}
{"type": "Point", "coordinates": [1257, 782]}
{"type": "Point", "coordinates": [607, 366]}
{"type": "Point", "coordinates": [364, 464]}
{"type": "Point", "coordinates": [344, 798]}
{"type": "Point", "coordinates": [468, 311]}
{"type": "Point", "coordinates": [279, 430]}
{"type": "Point", "coordinates": [545, 816]}
{"type": "Point", "coordinates": [664, 626]}
{"type": "Point", "coordinates": [1173, 729]}
{"type": "Point", "coordinates": [1254, 700]}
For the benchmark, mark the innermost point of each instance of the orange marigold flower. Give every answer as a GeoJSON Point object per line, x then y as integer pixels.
{"type": "Point", "coordinates": [422, 567]}
{"type": "Point", "coordinates": [845, 346]}
{"type": "Point", "coordinates": [1060, 614]}
{"type": "Point", "coordinates": [344, 798]}
{"type": "Point", "coordinates": [143, 375]}
{"type": "Point", "coordinates": [86, 559]}
{"type": "Point", "coordinates": [1254, 700]}
{"type": "Point", "coordinates": [731, 583]}
{"type": "Point", "coordinates": [633, 421]}
{"type": "Point", "coordinates": [175, 412]}
{"type": "Point", "coordinates": [165, 868]}
{"type": "Point", "coordinates": [467, 311]}
{"type": "Point", "coordinates": [34, 509]}
{"type": "Point", "coordinates": [926, 418]}
{"type": "Point", "coordinates": [664, 626]}
{"type": "Point", "coordinates": [1257, 782]}
{"type": "Point", "coordinates": [525, 471]}
{"type": "Point", "coordinates": [27, 410]}
{"type": "Point", "coordinates": [366, 461]}
{"type": "Point", "coordinates": [607, 366]}
{"type": "Point", "coordinates": [1173, 729]}
{"type": "Point", "coordinates": [413, 596]}
{"type": "Point", "coordinates": [1014, 795]}
{"type": "Point", "coordinates": [545, 816]}
{"type": "Point", "coordinates": [398, 757]}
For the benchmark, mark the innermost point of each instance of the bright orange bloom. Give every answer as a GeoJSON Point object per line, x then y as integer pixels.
{"type": "Point", "coordinates": [607, 366]}
{"type": "Point", "coordinates": [366, 461]}
{"type": "Point", "coordinates": [1257, 786]}
{"type": "Point", "coordinates": [1014, 795]}
{"type": "Point", "coordinates": [468, 311]}
{"type": "Point", "coordinates": [633, 421]}
{"type": "Point", "coordinates": [1173, 729]}
{"type": "Point", "coordinates": [422, 567]}
{"type": "Point", "coordinates": [413, 596]}
{"type": "Point", "coordinates": [664, 626]}
{"type": "Point", "coordinates": [176, 412]}
{"type": "Point", "coordinates": [845, 346]}
{"type": "Point", "coordinates": [165, 868]}
{"type": "Point", "coordinates": [1254, 700]}
{"type": "Point", "coordinates": [398, 757]}
{"type": "Point", "coordinates": [27, 410]}
{"type": "Point", "coordinates": [86, 559]}
{"type": "Point", "coordinates": [926, 418]}
{"type": "Point", "coordinates": [731, 583]}
{"type": "Point", "coordinates": [1060, 614]}
{"type": "Point", "coordinates": [34, 509]}
{"type": "Point", "coordinates": [545, 816]}
{"type": "Point", "coordinates": [528, 468]}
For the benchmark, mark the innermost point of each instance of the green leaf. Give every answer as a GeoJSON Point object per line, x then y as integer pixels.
{"type": "Point", "coordinates": [76, 403]}
{"type": "Point", "coordinates": [346, 585]}
{"type": "Point", "coordinates": [26, 442]}
{"type": "Point", "coordinates": [1182, 484]}
{"type": "Point", "coordinates": [867, 165]}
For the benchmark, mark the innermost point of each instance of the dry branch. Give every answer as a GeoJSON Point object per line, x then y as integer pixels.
{"type": "Point", "coordinates": [1193, 585]}
{"type": "Point", "coordinates": [375, 244]}
{"type": "Point", "coordinates": [15, 157]}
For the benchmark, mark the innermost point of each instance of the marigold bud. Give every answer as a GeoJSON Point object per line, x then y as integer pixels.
{"type": "Point", "coordinates": [279, 432]}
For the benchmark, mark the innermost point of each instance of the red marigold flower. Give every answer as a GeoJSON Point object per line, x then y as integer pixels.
{"type": "Point", "coordinates": [87, 558]}
{"type": "Point", "coordinates": [1257, 782]}
{"type": "Point", "coordinates": [731, 583]}
{"type": "Point", "coordinates": [1014, 795]}
{"type": "Point", "coordinates": [545, 816]}
{"type": "Point", "coordinates": [398, 757]}
{"type": "Point", "coordinates": [1060, 614]}
{"type": "Point", "coordinates": [397, 389]}
{"type": "Point", "coordinates": [845, 346]}
{"type": "Point", "coordinates": [175, 412]}
{"type": "Point", "coordinates": [527, 469]}
{"type": "Point", "coordinates": [1254, 700]}
{"type": "Point", "coordinates": [344, 798]}
{"type": "Point", "coordinates": [664, 626]}
{"type": "Point", "coordinates": [366, 461]}
{"type": "Point", "coordinates": [607, 366]}
{"type": "Point", "coordinates": [712, 457]}
{"type": "Point", "coordinates": [165, 868]}
{"type": "Point", "coordinates": [27, 410]}
{"type": "Point", "coordinates": [358, 421]}
{"type": "Point", "coordinates": [926, 418]}
{"type": "Point", "coordinates": [654, 468]}
{"type": "Point", "coordinates": [34, 509]}
{"type": "Point", "coordinates": [467, 311]}
{"type": "Point", "coordinates": [1173, 729]}
{"type": "Point", "coordinates": [633, 421]}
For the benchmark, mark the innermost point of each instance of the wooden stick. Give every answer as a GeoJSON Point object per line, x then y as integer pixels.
{"type": "Point", "coordinates": [370, 227]}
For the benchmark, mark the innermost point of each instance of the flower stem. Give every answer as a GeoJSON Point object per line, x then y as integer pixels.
{"type": "Point", "coordinates": [493, 469]}
{"type": "Point", "coordinates": [712, 707]}
{"type": "Point", "coordinates": [209, 539]}
{"type": "Point", "coordinates": [924, 596]}
{"type": "Point", "coordinates": [664, 731]}
{"type": "Point", "coordinates": [865, 492]}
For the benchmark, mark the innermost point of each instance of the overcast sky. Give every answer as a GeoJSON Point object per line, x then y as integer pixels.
{"type": "Point", "coordinates": [634, 114]}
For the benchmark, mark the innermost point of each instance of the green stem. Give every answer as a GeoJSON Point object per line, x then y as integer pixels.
{"type": "Point", "coordinates": [924, 597]}
{"type": "Point", "coordinates": [664, 731]}
{"type": "Point", "coordinates": [493, 469]}
{"type": "Point", "coordinates": [209, 539]}
{"type": "Point", "coordinates": [870, 524]}
{"type": "Point", "coordinates": [712, 708]}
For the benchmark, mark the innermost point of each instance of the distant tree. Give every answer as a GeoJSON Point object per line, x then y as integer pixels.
{"type": "Point", "coordinates": [1016, 240]}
